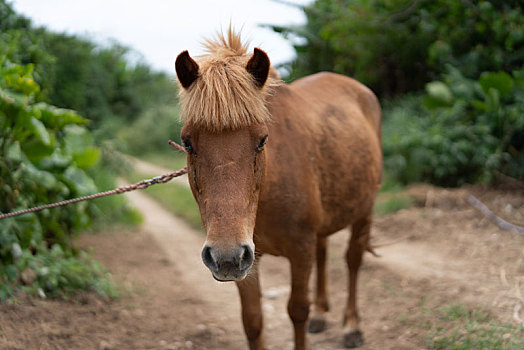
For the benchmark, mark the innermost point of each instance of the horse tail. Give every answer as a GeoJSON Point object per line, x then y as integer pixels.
{"type": "Point", "coordinates": [371, 108]}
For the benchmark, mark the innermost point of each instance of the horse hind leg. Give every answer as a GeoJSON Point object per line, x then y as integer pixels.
{"type": "Point", "coordinates": [358, 243]}
{"type": "Point", "coordinates": [317, 321]}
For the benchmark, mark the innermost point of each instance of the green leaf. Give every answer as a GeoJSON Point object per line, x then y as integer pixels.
{"type": "Point", "coordinates": [79, 181]}
{"type": "Point", "coordinates": [38, 128]}
{"type": "Point", "coordinates": [11, 272]}
{"type": "Point", "coordinates": [500, 81]}
{"type": "Point", "coordinates": [56, 160]}
{"type": "Point", "coordinates": [518, 76]}
{"type": "Point", "coordinates": [57, 118]}
{"type": "Point", "coordinates": [40, 177]}
{"type": "Point", "coordinates": [77, 139]}
{"type": "Point", "coordinates": [479, 105]}
{"type": "Point", "coordinates": [439, 95]}
{"type": "Point", "coordinates": [492, 99]}
{"type": "Point", "coordinates": [87, 158]}
{"type": "Point", "coordinates": [12, 98]}
{"type": "Point", "coordinates": [14, 153]}
{"type": "Point", "coordinates": [35, 151]}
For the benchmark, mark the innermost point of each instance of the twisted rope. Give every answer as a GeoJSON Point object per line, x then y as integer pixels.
{"type": "Point", "coordinates": [137, 186]}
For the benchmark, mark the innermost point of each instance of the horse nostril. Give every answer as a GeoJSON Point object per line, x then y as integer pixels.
{"type": "Point", "coordinates": [246, 257]}
{"type": "Point", "coordinates": [208, 260]}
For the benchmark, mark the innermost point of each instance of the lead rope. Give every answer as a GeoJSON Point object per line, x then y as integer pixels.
{"type": "Point", "coordinates": [138, 186]}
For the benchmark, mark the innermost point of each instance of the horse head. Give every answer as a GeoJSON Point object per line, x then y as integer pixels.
{"type": "Point", "coordinates": [223, 106]}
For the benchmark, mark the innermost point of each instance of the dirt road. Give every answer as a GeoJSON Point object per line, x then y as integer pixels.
{"type": "Point", "coordinates": [439, 253]}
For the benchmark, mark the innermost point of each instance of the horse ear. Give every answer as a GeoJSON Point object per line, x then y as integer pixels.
{"type": "Point", "coordinates": [258, 66]}
{"type": "Point", "coordinates": [186, 69]}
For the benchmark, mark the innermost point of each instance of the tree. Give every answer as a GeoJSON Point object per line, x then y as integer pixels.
{"type": "Point", "coordinates": [397, 46]}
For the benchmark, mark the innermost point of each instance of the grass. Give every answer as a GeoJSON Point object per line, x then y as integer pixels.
{"type": "Point", "coordinates": [387, 204]}
{"type": "Point", "coordinates": [174, 197]}
{"type": "Point", "coordinates": [391, 198]}
{"type": "Point", "coordinates": [455, 326]}
{"type": "Point", "coordinates": [461, 328]}
{"type": "Point", "coordinates": [112, 210]}
{"type": "Point", "coordinates": [172, 160]}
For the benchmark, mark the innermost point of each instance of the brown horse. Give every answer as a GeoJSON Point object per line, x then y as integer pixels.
{"type": "Point", "coordinates": [317, 174]}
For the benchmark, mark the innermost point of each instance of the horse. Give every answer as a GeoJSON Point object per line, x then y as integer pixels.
{"type": "Point", "coordinates": [275, 169]}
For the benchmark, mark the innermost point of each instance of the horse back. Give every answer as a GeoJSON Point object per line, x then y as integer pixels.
{"type": "Point", "coordinates": [324, 155]}
{"type": "Point", "coordinates": [333, 89]}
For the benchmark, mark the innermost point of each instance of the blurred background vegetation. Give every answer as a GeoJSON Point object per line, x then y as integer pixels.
{"type": "Point", "coordinates": [68, 109]}
{"type": "Point", "coordinates": [449, 74]}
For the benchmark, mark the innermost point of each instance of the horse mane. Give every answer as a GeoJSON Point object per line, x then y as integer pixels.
{"type": "Point", "coordinates": [225, 95]}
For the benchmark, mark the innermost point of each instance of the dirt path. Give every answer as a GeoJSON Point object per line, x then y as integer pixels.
{"type": "Point", "coordinates": [182, 245]}
{"type": "Point", "coordinates": [437, 254]}
{"type": "Point", "coordinates": [446, 242]}
{"type": "Point", "coordinates": [456, 269]}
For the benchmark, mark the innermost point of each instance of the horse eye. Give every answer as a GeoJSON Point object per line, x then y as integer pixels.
{"type": "Point", "coordinates": [188, 146]}
{"type": "Point", "coordinates": [262, 144]}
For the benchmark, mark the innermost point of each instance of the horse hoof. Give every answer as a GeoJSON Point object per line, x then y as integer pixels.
{"type": "Point", "coordinates": [353, 339]}
{"type": "Point", "coordinates": [316, 325]}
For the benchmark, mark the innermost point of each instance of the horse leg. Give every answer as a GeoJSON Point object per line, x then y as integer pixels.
{"type": "Point", "coordinates": [357, 245]}
{"type": "Point", "coordinates": [298, 305]}
{"type": "Point", "coordinates": [249, 290]}
{"type": "Point", "coordinates": [317, 321]}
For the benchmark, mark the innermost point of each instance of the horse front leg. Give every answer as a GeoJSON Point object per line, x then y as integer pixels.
{"type": "Point", "coordinates": [358, 243]}
{"type": "Point", "coordinates": [298, 305]}
{"type": "Point", "coordinates": [317, 321]}
{"type": "Point", "coordinates": [249, 290]}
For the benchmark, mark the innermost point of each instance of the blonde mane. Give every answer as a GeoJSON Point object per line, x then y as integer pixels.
{"type": "Point", "coordinates": [225, 95]}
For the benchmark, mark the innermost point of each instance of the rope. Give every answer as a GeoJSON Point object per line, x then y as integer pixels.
{"type": "Point", "coordinates": [138, 186]}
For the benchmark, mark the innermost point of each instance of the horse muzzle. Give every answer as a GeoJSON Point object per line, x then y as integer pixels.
{"type": "Point", "coordinates": [232, 264]}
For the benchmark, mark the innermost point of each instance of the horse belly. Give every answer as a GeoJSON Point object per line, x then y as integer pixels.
{"type": "Point", "coordinates": [350, 177]}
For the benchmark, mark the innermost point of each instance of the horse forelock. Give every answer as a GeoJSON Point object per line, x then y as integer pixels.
{"type": "Point", "coordinates": [225, 95]}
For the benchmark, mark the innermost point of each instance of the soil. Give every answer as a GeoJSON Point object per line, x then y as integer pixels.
{"type": "Point", "coordinates": [439, 252]}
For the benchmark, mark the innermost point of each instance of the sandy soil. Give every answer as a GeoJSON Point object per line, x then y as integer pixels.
{"type": "Point", "coordinates": [439, 252]}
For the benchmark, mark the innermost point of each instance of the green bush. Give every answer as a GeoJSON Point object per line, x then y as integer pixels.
{"type": "Point", "coordinates": [59, 273]}
{"type": "Point", "coordinates": [461, 131]}
{"type": "Point", "coordinates": [151, 131]}
{"type": "Point", "coordinates": [396, 46]}
{"type": "Point", "coordinates": [73, 72]}
{"type": "Point", "coordinates": [45, 153]}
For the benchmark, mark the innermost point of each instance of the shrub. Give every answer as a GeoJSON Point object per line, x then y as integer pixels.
{"type": "Point", "coordinates": [461, 131]}
{"type": "Point", "coordinates": [396, 46]}
{"type": "Point", "coordinates": [151, 131]}
{"type": "Point", "coordinates": [45, 153]}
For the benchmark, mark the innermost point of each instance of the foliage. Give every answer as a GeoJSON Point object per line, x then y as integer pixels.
{"type": "Point", "coordinates": [396, 46]}
{"type": "Point", "coordinates": [151, 131]}
{"type": "Point", "coordinates": [49, 154]}
{"type": "Point", "coordinates": [462, 131]}
{"type": "Point", "coordinates": [60, 273]}
{"type": "Point", "coordinates": [44, 154]}
{"type": "Point", "coordinates": [99, 83]}
{"type": "Point", "coordinates": [75, 73]}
